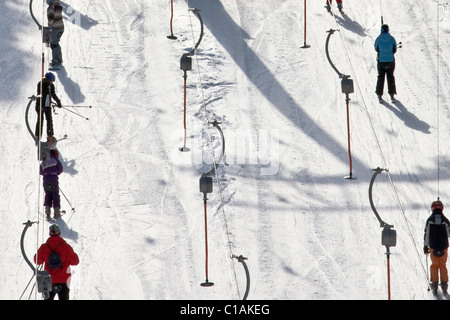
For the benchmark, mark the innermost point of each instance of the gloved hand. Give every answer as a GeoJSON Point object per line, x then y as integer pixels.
{"type": "Point", "coordinates": [426, 250]}
{"type": "Point", "coordinates": [59, 105]}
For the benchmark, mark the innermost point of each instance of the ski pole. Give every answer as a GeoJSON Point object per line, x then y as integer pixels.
{"type": "Point", "coordinates": [428, 276]}
{"type": "Point", "coordinates": [73, 209]}
{"type": "Point", "coordinates": [76, 113]}
{"type": "Point", "coordinates": [78, 106]}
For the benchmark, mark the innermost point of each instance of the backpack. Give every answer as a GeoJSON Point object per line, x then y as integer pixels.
{"type": "Point", "coordinates": [54, 258]}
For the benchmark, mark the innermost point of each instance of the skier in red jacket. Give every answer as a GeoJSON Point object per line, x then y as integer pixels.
{"type": "Point", "coordinates": [61, 275]}
{"type": "Point", "coordinates": [329, 2]}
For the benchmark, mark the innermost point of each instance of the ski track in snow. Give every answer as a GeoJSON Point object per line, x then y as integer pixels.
{"type": "Point", "coordinates": [138, 224]}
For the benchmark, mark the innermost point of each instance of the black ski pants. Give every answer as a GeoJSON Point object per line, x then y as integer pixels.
{"type": "Point", "coordinates": [386, 70]}
{"type": "Point", "coordinates": [60, 289]}
{"type": "Point", "coordinates": [47, 111]}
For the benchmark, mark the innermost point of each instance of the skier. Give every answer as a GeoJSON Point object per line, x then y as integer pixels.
{"type": "Point", "coordinates": [60, 275]}
{"type": "Point", "coordinates": [55, 21]}
{"type": "Point", "coordinates": [386, 46]}
{"type": "Point", "coordinates": [436, 242]}
{"type": "Point", "coordinates": [329, 2]}
{"type": "Point", "coordinates": [51, 168]}
{"type": "Point", "coordinates": [48, 94]}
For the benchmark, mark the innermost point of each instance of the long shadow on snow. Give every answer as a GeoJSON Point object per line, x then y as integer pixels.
{"type": "Point", "coordinates": [351, 25]}
{"type": "Point", "coordinates": [77, 18]}
{"type": "Point", "coordinates": [15, 62]}
{"type": "Point", "coordinates": [407, 117]}
{"type": "Point", "coordinates": [67, 232]}
{"type": "Point", "coordinates": [229, 34]}
{"type": "Point", "coordinates": [70, 87]}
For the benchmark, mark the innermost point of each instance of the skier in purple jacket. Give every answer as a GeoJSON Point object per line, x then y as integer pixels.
{"type": "Point", "coordinates": [51, 168]}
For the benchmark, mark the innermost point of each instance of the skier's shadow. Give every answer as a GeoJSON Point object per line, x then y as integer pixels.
{"type": "Point", "coordinates": [351, 25]}
{"type": "Point", "coordinates": [72, 88]}
{"type": "Point", "coordinates": [68, 166]}
{"type": "Point", "coordinates": [77, 17]}
{"type": "Point", "coordinates": [67, 232]}
{"type": "Point", "coordinates": [409, 119]}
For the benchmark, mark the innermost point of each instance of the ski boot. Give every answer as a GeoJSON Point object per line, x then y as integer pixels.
{"type": "Point", "coordinates": [444, 286]}
{"type": "Point", "coordinates": [55, 65]}
{"type": "Point", "coordinates": [340, 7]}
{"type": "Point", "coordinates": [434, 287]}
{"type": "Point", "coordinates": [47, 212]}
{"type": "Point", "coordinates": [57, 213]}
{"type": "Point", "coordinates": [328, 7]}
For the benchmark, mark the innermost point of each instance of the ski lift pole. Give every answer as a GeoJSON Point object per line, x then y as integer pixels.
{"type": "Point", "coordinates": [215, 123]}
{"type": "Point", "coordinates": [388, 254]}
{"type": "Point", "coordinates": [206, 187]}
{"type": "Point", "coordinates": [197, 13]}
{"type": "Point", "coordinates": [171, 36]}
{"type": "Point", "coordinates": [184, 148]}
{"type": "Point", "coordinates": [347, 99]}
{"type": "Point", "coordinates": [242, 259]}
{"type": "Point", "coordinates": [304, 33]}
{"type": "Point", "coordinates": [185, 65]}
{"type": "Point", "coordinates": [27, 225]}
{"type": "Point", "coordinates": [330, 32]}
{"type": "Point", "coordinates": [32, 15]}
{"type": "Point", "coordinates": [43, 278]}
{"type": "Point", "coordinates": [388, 235]}
{"type": "Point", "coordinates": [372, 181]}
{"type": "Point", "coordinates": [347, 88]}
{"type": "Point", "coordinates": [388, 239]}
{"type": "Point", "coordinates": [27, 110]}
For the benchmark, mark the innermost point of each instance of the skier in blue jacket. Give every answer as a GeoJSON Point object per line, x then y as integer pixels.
{"type": "Point", "coordinates": [386, 46]}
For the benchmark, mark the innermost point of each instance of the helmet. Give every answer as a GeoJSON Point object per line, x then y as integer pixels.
{"type": "Point", "coordinates": [384, 28]}
{"type": "Point", "coordinates": [437, 205]}
{"type": "Point", "coordinates": [54, 230]}
{"type": "Point", "coordinates": [50, 76]}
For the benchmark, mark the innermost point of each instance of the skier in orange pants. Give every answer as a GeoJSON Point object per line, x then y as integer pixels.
{"type": "Point", "coordinates": [436, 243]}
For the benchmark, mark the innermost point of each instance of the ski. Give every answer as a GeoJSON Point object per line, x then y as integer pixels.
{"type": "Point", "coordinates": [50, 219]}
{"type": "Point", "coordinates": [382, 101]}
{"type": "Point", "coordinates": [53, 67]}
{"type": "Point", "coordinates": [53, 220]}
{"type": "Point", "coordinates": [439, 293]}
{"type": "Point", "coordinates": [440, 296]}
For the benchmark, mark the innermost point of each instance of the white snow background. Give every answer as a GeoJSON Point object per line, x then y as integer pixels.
{"type": "Point", "coordinates": [280, 198]}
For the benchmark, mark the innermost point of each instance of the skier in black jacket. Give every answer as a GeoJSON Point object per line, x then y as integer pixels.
{"type": "Point", "coordinates": [48, 93]}
{"type": "Point", "coordinates": [436, 242]}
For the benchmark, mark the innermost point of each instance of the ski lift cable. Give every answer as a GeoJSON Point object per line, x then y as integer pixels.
{"type": "Point", "coordinates": [206, 122]}
{"type": "Point", "coordinates": [40, 230]}
{"type": "Point", "coordinates": [402, 211]}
